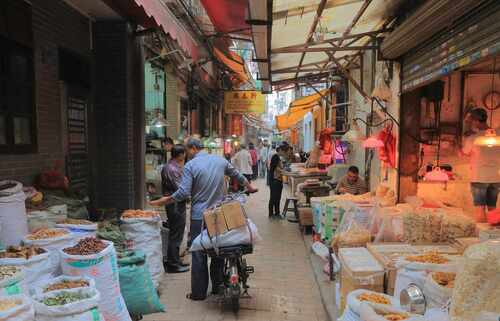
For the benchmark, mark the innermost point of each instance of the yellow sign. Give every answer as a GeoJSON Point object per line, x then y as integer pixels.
{"type": "Point", "coordinates": [244, 101]}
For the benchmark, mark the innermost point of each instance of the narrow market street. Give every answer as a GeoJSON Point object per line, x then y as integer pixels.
{"type": "Point", "coordinates": [282, 288]}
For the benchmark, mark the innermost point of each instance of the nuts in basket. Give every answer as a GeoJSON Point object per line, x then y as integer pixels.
{"type": "Point", "coordinates": [430, 257]}
{"type": "Point", "coordinates": [446, 279]}
{"type": "Point", "coordinates": [47, 233]}
{"type": "Point", "coordinates": [374, 298]}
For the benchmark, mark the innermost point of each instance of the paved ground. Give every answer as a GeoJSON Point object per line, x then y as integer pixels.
{"type": "Point", "coordinates": [282, 288]}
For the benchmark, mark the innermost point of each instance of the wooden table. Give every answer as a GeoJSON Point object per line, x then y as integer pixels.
{"type": "Point", "coordinates": [310, 191]}
{"type": "Point", "coordinates": [296, 178]}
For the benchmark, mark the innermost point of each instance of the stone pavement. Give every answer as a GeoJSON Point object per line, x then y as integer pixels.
{"type": "Point", "coordinates": [283, 286]}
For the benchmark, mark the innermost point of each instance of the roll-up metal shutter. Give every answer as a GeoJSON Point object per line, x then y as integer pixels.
{"type": "Point", "coordinates": [432, 17]}
{"type": "Point", "coordinates": [475, 36]}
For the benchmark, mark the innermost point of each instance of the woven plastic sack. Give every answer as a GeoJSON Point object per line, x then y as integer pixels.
{"type": "Point", "coordinates": [80, 231]}
{"type": "Point", "coordinates": [436, 295]}
{"type": "Point", "coordinates": [42, 287]}
{"type": "Point", "coordinates": [53, 245]}
{"type": "Point", "coordinates": [14, 284]}
{"type": "Point", "coordinates": [370, 313]}
{"type": "Point", "coordinates": [137, 286]}
{"type": "Point", "coordinates": [83, 310]}
{"type": "Point", "coordinates": [349, 315]}
{"type": "Point", "coordinates": [355, 304]}
{"type": "Point", "coordinates": [13, 217]}
{"type": "Point", "coordinates": [22, 312]}
{"type": "Point", "coordinates": [37, 269]}
{"type": "Point", "coordinates": [145, 234]}
{"type": "Point", "coordinates": [103, 268]}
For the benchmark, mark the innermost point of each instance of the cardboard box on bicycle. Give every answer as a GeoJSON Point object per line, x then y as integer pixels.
{"type": "Point", "coordinates": [227, 217]}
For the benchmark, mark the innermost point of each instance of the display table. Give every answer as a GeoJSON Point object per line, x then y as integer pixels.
{"type": "Point", "coordinates": [314, 190]}
{"type": "Point", "coordinates": [296, 178]}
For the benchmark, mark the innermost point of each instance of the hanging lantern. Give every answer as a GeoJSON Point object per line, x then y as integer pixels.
{"type": "Point", "coordinates": [159, 121]}
{"type": "Point", "coordinates": [436, 175]}
{"type": "Point", "coordinates": [489, 139]}
{"type": "Point", "coordinates": [372, 142]}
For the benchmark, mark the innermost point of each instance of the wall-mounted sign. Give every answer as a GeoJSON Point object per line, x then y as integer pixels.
{"type": "Point", "coordinates": [237, 125]}
{"type": "Point", "coordinates": [244, 101]}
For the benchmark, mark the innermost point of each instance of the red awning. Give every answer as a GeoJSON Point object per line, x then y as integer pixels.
{"type": "Point", "coordinates": [228, 16]}
{"type": "Point", "coordinates": [154, 14]}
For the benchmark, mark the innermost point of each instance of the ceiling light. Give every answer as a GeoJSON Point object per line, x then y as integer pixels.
{"type": "Point", "coordinates": [159, 121]}
{"type": "Point", "coordinates": [489, 139]}
{"type": "Point", "coordinates": [372, 142]}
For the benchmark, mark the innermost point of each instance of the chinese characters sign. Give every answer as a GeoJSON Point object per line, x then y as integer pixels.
{"type": "Point", "coordinates": [244, 101]}
{"type": "Point", "coordinates": [237, 125]}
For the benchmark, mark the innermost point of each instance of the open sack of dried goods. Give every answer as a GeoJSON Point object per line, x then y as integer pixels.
{"type": "Point", "coordinates": [438, 288]}
{"type": "Point", "coordinates": [16, 308]}
{"type": "Point", "coordinates": [380, 313]}
{"type": "Point", "coordinates": [357, 297]}
{"type": "Point", "coordinates": [137, 286]}
{"type": "Point", "coordinates": [33, 260]}
{"type": "Point", "coordinates": [12, 213]}
{"type": "Point", "coordinates": [247, 234]}
{"type": "Point", "coordinates": [387, 224]}
{"type": "Point", "coordinates": [12, 280]}
{"type": "Point", "coordinates": [477, 286]}
{"type": "Point", "coordinates": [97, 259]}
{"type": "Point", "coordinates": [143, 231]}
{"type": "Point", "coordinates": [68, 305]}
{"type": "Point", "coordinates": [415, 268]}
{"type": "Point", "coordinates": [79, 228]}
{"type": "Point", "coordinates": [64, 282]}
{"type": "Point", "coordinates": [52, 240]}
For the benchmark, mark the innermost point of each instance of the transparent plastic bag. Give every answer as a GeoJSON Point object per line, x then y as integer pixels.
{"type": "Point", "coordinates": [387, 225]}
{"type": "Point", "coordinates": [354, 230]}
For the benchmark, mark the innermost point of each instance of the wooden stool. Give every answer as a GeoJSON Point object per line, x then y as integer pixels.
{"type": "Point", "coordinates": [287, 209]}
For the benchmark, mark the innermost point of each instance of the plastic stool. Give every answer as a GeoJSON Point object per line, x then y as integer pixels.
{"type": "Point", "coordinates": [287, 209]}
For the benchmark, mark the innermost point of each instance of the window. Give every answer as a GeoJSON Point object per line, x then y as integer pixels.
{"type": "Point", "coordinates": [17, 91]}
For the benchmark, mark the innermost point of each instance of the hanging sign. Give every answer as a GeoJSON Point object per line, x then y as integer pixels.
{"type": "Point", "coordinates": [237, 125]}
{"type": "Point", "coordinates": [244, 101]}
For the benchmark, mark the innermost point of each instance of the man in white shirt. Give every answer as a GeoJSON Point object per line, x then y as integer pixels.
{"type": "Point", "coordinates": [484, 166]}
{"type": "Point", "coordinates": [242, 160]}
{"type": "Point", "coordinates": [263, 151]}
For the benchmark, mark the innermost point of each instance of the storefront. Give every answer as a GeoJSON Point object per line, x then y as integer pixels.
{"type": "Point", "coordinates": [442, 80]}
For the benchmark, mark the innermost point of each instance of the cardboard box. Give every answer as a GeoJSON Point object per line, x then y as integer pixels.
{"type": "Point", "coordinates": [215, 222]}
{"type": "Point", "coordinates": [234, 216]}
{"type": "Point", "coordinates": [306, 216]}
{"type": "Point", "coordinates": [359, 270]}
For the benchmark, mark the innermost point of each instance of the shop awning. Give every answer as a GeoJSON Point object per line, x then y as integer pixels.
{"type": "Point", "coordinates": [298, 109]}
{"type": "Point", "coordinates": [234, 63]}
{"type": "Point", "coordinates": [308, 101]}
{"type": "Point", "coordinates": [155, 14]}
{"type": "Point", "coordinates": [228, 16]}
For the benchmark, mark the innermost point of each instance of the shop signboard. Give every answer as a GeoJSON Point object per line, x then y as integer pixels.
{"type": "Point", "coordinates": [243, 102]}
{"type": "Point", "coordinates": [237, 125]}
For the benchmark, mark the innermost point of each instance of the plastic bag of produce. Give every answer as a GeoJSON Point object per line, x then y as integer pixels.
{"type": "Point", "coordinates": [144, 234]}
{"type": "Point", "coordinates": [137, 286]}
{"type": "Point", "coordinates": [438, 288]}
{"type": "Point", "coordinates": [243, 235]}
{"type": "Point", "coordinates": [97, 259]}
{"type": "Point", "coordinates": [64, 282]}
{"type": "Point", "coordinates": [389, 313]}
{"type": "Point", "coordinates": [53, 240]}
{"type": "Point", "coordinates": [68, 305]}
{"type": "Point", "coordinates": [477, 286]}
{"type": "Point", "coordinates": [456, 225]}
{"type": "Point", "coordinates": [34, 261]}
{"type": "Point", "coordinates": [16, 308]}
{"type": "Point", "coordinates": [422, 226]}
{"type": "Point", "coordinates": [375, 299]}
{"type": "Point", "coordinates": [387, 225]}
{"type": "Point", "coordinates": [79, 228]}
{"type": "Point", "coordinates": [12, 280]}
{"type": "Point", "coordinates": [353, 230]}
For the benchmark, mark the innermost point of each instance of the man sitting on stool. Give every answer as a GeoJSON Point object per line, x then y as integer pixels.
{"type": "Point", "coordinates": [351, 183]}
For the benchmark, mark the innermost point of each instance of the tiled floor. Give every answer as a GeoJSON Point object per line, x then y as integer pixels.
{"type": "Point", "coordinates": [282, 288]}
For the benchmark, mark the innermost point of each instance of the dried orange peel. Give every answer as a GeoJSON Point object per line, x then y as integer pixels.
{"type": "Point", "coordinates": [430, 257]}
{"type": "Point", "coordinates": [374, 298]}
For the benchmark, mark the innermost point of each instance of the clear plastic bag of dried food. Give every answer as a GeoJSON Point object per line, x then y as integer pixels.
{"type": "Point", "coordinates": [387, 225]}
{"type": "Point", "coordinates": [354, 229]}
{"type": "Point", "coordinates": [477, 286]}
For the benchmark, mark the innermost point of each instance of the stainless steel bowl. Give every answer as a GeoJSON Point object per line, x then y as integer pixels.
{"type": "Point", "coordinates": [412, 299]}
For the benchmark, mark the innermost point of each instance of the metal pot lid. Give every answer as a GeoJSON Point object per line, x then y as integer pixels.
{"type": "Point", "coordinates": [412, 299]}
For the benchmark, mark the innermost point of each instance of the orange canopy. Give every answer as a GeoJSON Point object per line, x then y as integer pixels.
{"type": "Point", "coordinates": [234, 63]}
{"type": "Point", "coordinates": [298, 109]}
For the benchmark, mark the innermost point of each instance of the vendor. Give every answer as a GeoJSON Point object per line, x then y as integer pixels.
{"type": "Point", "coordinates": [484, 166]}
{"type": "Point", "coordinates": [351, 183]}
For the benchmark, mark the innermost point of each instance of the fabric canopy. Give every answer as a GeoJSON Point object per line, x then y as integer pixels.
{"type": "Point", "coordinates": [298, 109]}
{"type": "Point", "coordinates": [228, 16]}
{"type": "Point", "coordinates": [307, 101]}
{"type": "Point", "coordinates": [234, 63]}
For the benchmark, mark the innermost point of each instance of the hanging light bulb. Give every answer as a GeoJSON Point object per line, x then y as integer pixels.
{"type": "Point", "coordinates": [436, 175]}
{"type": "Point", "coordinates": [372, 142]}
{"type": "Point", "coordinates": [489, 139]}
{"type": "Point", "coordinates": [353, 134]}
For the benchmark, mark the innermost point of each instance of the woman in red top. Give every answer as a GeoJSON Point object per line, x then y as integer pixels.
{"type": "Point", "coordinates": [255, 160]}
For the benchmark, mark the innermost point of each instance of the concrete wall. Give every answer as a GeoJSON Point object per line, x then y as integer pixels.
{"type": "Point", "coordinates": [360, 108]}
{"type": "Point", "coordinates": [55, 25]}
